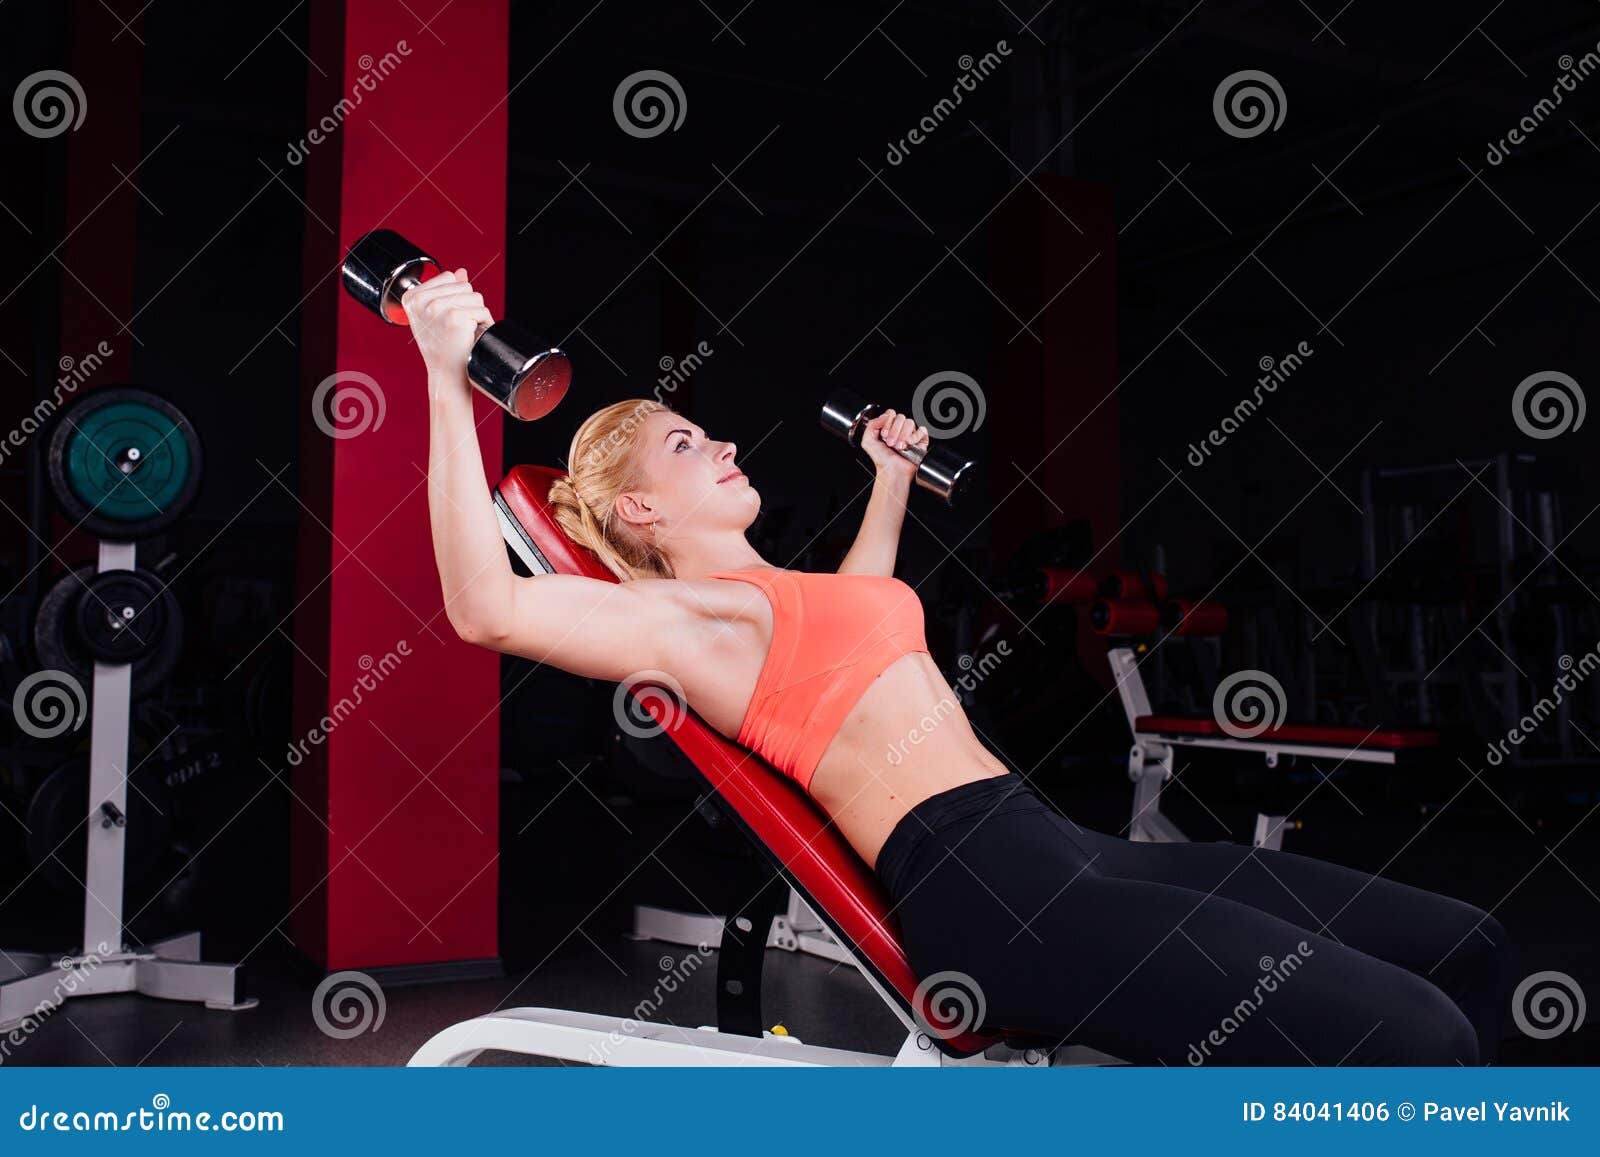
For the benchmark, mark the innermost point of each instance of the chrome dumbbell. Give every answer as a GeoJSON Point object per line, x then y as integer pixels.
{"type": "Point", "coordinates": [519, 370]}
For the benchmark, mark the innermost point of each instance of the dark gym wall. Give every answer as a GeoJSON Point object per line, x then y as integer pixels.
{"type": "Point", "coordinates": [798, 111]}
{"type": "Point", "coordinates": [220, 218]}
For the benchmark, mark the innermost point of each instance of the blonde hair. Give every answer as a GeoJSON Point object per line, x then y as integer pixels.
{"type": "Point", "coordinates": [600, 465]}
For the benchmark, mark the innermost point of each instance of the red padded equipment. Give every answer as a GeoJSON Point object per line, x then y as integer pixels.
{"type": "Point", "coordinates": [1386, 738]}
{"type": "Point", "coordinates": [810, 854]}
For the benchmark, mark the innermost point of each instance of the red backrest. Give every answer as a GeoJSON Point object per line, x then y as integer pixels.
{"type": "Point", "coordinates": [813, 855]}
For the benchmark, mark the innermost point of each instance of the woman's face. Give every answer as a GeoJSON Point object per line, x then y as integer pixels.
{"type": "Point", "coordinates": [694, 482]}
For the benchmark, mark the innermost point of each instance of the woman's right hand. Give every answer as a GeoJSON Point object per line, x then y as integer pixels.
{"type": "Point", "coordinates": [445, 313]}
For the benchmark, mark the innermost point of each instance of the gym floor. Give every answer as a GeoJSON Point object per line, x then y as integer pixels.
{"type": "Point", "coordinates": [686, 865]}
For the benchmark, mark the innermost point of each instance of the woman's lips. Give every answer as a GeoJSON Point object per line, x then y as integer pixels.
{"type": "Point", "coordinates": [734, 477]}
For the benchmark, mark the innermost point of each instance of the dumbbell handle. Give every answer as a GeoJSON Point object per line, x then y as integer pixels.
{"type": "Point", "coordinates": [939, 469]}
{"type": "Point", "coordinates": [410, 280]}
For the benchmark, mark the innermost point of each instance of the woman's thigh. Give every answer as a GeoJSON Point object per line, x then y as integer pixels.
{"type": "Point", "coordinates": [1426, 932]}
{"type": "Point", "coordinates": [1155, 972]}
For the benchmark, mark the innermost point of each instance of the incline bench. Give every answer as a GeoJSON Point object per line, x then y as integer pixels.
{"type": "Point", "coordinates": [807, 854]}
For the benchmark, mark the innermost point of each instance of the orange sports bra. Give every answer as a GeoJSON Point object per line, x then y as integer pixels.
{"type": "Point", "coordinates": [832, 635]}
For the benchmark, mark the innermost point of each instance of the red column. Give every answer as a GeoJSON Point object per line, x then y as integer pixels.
{"type": "Point", "coordinates": [1051, 405]}
{"type": "Point", "coordinates": [396, 759]}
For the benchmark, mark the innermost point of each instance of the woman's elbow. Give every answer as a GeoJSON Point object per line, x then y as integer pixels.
{"type": "Point", "coordinates": [481, 630]}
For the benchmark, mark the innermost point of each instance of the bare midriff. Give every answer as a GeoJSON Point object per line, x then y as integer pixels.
{"type": "Point", "coordinates": [907, 738]}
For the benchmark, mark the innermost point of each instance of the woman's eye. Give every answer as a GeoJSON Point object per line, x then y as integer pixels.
{"type": "Point", "coordinates": [681, 445]}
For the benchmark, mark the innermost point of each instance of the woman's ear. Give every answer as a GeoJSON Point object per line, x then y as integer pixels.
{"type": "Point", "coordinates": [632, 510]}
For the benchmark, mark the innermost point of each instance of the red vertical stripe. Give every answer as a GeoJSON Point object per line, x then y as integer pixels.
{"type": "Point", "coordinates": [405, 789]}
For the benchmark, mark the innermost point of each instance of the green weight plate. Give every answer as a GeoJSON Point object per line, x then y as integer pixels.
{"type": "Point", "coordinates": [124, 463]}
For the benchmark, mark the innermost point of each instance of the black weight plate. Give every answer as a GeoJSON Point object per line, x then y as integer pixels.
{"type": "Point", "coordinates": [83, 454]}
{"type": "Point", "coordinates": [121, 615]}
{"type": "Point", "coordinates": [57, 646]}
{"type": "Point", "coordinates": [57, 823]}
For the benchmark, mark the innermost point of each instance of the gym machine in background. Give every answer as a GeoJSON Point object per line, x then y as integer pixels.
{"type": "Point", "coordinates": [1136, 614]}
{"type": "Point", "coordinates": [124, 464]}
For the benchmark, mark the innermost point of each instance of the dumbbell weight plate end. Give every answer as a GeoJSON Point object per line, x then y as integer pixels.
{"type": "Point", "coordinates": [380, 267]}
{"type": "Point", "coordinates": [520, 370]}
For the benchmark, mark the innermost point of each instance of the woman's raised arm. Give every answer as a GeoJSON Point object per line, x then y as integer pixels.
{"type": "Point", "coordinates": [590, 627]}
{"type": "Point", "coordinates": [474, 572]}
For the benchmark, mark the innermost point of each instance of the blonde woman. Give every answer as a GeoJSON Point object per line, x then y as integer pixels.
{"type": "Point", "coordinates": [1156, 953]}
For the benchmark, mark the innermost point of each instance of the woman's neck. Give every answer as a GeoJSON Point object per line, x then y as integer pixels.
{"type": "Point", "coordinates": [699, 559]}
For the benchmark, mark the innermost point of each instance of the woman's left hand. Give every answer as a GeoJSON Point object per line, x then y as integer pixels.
{"type": "Point", "coordinates": [883, 439]}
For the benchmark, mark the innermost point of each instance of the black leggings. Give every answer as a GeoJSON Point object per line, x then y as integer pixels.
{"type": "Point", "coordinates": [1017, 919]}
